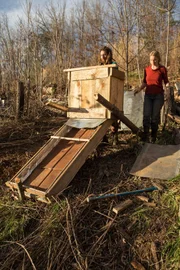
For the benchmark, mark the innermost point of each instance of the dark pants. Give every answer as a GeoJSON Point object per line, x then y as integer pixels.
{"type": "Point", "coordinates": [152, 110]}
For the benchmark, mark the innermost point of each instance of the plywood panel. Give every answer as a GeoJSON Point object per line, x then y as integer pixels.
{"type": "Point", "coordinates": [114, 72]}
{"type": "Point", "coordinates": [87, 90]}
{"type": "Point", "coordinates": [90, 113]}
{"type": "Point", "coordinates": [89, 74]}
{"type": "Point", "coordinates": [92, 108]}
{"type": "Point", "coordinates": [116, 96]}
{"type": "Point", "coordinates": [102, 87]}
{"type": "Point", "coordinates": [74, 96]}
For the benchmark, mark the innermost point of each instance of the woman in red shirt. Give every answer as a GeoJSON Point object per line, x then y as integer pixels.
{"type": "Point", "coordinates": [154, 76]}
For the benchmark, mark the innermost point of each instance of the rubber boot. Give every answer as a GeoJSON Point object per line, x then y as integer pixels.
{"type": "Point", "coordinates": [146, 134]}
{"type": "Point", "coordinates": [153, 135]}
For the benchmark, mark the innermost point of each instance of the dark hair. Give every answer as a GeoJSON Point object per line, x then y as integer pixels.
{"type": "Point", "coordinates": [108, 51]}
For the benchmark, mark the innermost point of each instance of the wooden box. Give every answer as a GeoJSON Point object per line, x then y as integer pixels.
{"type": "Point", "coordinates": [84, 82]}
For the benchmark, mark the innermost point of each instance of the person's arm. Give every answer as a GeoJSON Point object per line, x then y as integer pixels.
{"type": "Point", "coordinates": [143, 85]}
{"type": "Point", "coordinates": [139, 88]}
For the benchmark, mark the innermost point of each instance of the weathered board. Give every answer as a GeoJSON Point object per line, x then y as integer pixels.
{"type": "Point", "coordinates": [106, 80]}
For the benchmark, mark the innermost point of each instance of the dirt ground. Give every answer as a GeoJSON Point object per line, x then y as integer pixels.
{"type": "Point", "coordinates": [73, 234]}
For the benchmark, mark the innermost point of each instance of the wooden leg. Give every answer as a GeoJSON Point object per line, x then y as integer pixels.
{"type": "Point", "coordinates": [20, 189]}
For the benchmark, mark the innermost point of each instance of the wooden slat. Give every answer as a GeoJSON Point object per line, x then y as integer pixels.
{"type": "Point", "coordinates": [75, 164]}
{"type": "Point", "coordinates": [37, 177]}
{"type": "Point", "coordinates": [43, 169]}
{"type": "Point", "coordinates": [66, 159]}
{"type": "Point", "coordinates": [89, 74]}
{"type": "Point", "coordinates": [63, 162]}
{"type": "Point", "coordinates": [75, 149]}
{"type": "Point", "coordinates": [70, 139]}
{"type": "Point", "coordinates": [49, 179]}
{"type": "Point", "coordinates": [28, 168]}
{"type": "Point", "coordinates": [90, 113]}
{"type": "Point", "coordinates": [91, 67]}
{"type": "Point", "coordinates": [62, 148]}
{"type": "Point", "coordinates": [56, 155]}
{"type": "Point", "coordinates": [57, 106]}
{"type": "Point", "coordinates": [117, 73]}
{"type": "Point", "coordinates": [87, 94]}
{"type": "Point", "coordinates": [74, 96]}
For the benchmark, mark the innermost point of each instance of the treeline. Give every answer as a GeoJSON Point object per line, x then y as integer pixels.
{"type": "Point", "coordinates": [38, 48]}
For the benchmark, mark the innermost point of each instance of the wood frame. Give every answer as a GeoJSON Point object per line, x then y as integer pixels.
{"type": "Point", "coordinates": [84, 82]}
{"type": "Point", "coordinates": [63, 179]}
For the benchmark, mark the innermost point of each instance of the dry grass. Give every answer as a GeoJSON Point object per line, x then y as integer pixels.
{"type": "Point", "coordinates": [73, 234]}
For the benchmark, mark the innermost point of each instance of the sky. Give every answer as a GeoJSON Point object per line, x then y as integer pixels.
{"type": "Point", "coordinates": [14, 8]}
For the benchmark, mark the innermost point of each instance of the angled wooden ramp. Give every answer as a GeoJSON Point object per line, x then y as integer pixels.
{"type": "Point", "coordinates": [53, 167]}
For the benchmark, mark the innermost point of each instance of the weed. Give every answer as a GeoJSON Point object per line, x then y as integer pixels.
{"type": "Point", "coordinates": [141, 218]}
{"type": "Point", "coordinates": [171, 250]}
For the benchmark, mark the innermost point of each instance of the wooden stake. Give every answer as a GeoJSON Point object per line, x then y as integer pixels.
{"type": "Point", "coordinates": [20, 189]}
{"type": "Point", "coordinates": [57, 106]}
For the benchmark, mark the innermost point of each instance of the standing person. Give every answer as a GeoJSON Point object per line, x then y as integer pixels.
{"type": "Point", "coordinates": [154, 76]}
{"type": "Point", "coordinates": [106, 58]}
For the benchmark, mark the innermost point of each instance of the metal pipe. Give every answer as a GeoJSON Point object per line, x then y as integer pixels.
{"type": "Point", "coordinates": [92, 198]}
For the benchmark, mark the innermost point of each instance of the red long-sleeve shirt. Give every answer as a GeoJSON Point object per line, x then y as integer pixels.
{"type": "Point", "coordinates": [154, 79]}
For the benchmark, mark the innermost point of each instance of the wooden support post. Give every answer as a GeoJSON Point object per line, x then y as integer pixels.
{"type": "Point", "coordinates": [118, 114]}
{"type": "Point", "coordinates": [57, 106]}
{"type": "Point", "coordinates": [19, 100]}
{"type": "Point", "coordinates": [20, 189]}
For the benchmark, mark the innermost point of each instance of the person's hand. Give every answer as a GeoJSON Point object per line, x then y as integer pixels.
{"type": "Point", "coordinates": [136, 90]}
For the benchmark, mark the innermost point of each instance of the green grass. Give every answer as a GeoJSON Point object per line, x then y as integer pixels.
{"type": "Point", "coordinates": [171, 250]}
